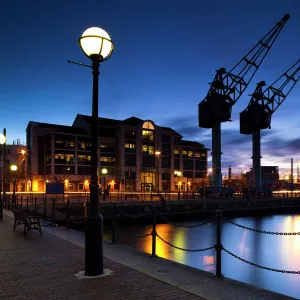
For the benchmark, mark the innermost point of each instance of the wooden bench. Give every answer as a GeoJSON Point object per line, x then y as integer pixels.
{"type": "Point", "coordinates": [30, 222]}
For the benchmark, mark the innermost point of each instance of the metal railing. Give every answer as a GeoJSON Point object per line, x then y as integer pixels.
{"type": "Point", "coordinates": [47, 210]}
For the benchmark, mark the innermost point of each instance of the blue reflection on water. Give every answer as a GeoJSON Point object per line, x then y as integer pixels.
{"type": "Point", "coordinates": [274, 251]}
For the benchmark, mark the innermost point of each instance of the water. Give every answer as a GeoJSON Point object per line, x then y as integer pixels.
{"type": "Point", "coordinates": [274, 251]}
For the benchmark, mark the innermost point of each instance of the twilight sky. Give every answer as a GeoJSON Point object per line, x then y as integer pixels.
{"type": "Point", "coordinates": [165, 54]}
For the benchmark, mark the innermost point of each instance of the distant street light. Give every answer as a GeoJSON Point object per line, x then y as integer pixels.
{"type": "Point", "coordinates": [104, 172]}
{"type": "Point", "coordinates": [13, 168]}
{"type": "Point", "coordinates": [97, 45]}
{"type": "Point", "coordinates": [2, 147]}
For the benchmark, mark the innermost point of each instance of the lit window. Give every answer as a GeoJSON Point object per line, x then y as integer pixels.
{"type": "Point", "coordinates": [190, 153]}
{"type": "Point", "coordinates": [176, 152]}
{"type": "Point", "coordinates": [148, 125]}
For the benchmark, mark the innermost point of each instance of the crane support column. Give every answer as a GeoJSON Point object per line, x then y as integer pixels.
{"type": "Point", "coordinates": [216, 156]}
{"type": "Point", "coordinates": [256, 159]}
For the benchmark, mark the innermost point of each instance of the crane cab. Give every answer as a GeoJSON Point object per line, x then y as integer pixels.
{"type": "Point", "coordinates": [254, 118]}
{"type": "Point", "coordinates": [214, 109]}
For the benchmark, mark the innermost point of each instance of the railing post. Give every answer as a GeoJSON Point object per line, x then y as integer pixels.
{"type": "Point", "coordinates": [35, 205]}
{"type": "Point", "coordinates": [21, 202]}
{"type": "Point", "coordinates": [68, 215]}
{"type": "Point", "coordinates": [53, 211]}
{"type": "Point", "coordinates": [27, 205]}
{"type": "Point", "coordinates": [114, 222]}
{"type": "Point", "coordinates": [219, 246]}
{"type": "Point", "coordinates": [45, 208]}
{"type": "Point", "coordinates": [153, 231]}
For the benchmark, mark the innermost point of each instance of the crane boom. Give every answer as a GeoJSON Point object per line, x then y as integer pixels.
{"type": "Point", "coordinates": [227, 87]}
{"type": "Point", "coordinates": [263, 104]}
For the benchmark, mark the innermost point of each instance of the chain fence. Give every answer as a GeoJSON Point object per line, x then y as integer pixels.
{"type": "Point", "coordinates": [134, 235]}
{"type": "Point", "coordinates": [187, 226]}
{"type": "Point", "coordinates": [135, 216]}
{"type": "Point", "coordinates": [259, 266]}
{"type": "Point", "coordinates": [183, 249]}
{"type": "Point", "coordinates": [262, 231]}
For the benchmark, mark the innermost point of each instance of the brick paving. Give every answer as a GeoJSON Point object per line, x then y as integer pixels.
{"type": "Point", "coordinates": [43, 268]}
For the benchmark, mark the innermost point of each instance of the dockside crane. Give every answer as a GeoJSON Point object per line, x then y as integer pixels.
{"type": "Point", "coordinates": [227, 88]}
{"type": "Point", "coordinates": [257, 116]}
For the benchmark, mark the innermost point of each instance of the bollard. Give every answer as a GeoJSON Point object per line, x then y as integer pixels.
{"type": "Point", "coordinates": [53, 211]}
{"type": "Point", "coordinates": [45, 208]}
{"type": "Point", "coordinates": [68, 215]}
{"type": "Point", "coordinates": [35, 205]}
{"type": "Point", "coordinates": [219, 247]}
{"type": "Point", "coordinates": [114, 222]}
{"type": "Point", "coordinates": [27, 208]}
{"type": "Point", "coordinates": [153, 231]}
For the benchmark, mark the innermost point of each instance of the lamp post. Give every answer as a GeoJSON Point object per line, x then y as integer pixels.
{"type": "Point", "coordinates": [209, 175]}
{"type": "Point", "coordinates": [157, 153]}
{"type": "Point", "coordinates": [97, 45]}
{"type": "Point", "coordinates": [2, 147]}
{"type": "Point", "coordinates": [104, 172]}
{"type": "Point", "coordinates": [14, 169]}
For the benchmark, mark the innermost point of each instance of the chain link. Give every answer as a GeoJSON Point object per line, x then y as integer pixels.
{"type": "Point", "coordinates": [134, 235]}
{"type": "Point", "coordinates": [77, 222]}
{"type": "Point", "coordinates": [183, 249]}
{"type": "Point", "coordinates": [134, 216]}
{"type": "Point", "coordinates": [263, 231]}
{"type": "Point", "coordinates": [259, 266]}
{"type": "Point", "coordinates": [186, 226]}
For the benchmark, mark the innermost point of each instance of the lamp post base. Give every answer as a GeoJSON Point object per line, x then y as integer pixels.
{"type": "Point", "coordinates": [94, 246]}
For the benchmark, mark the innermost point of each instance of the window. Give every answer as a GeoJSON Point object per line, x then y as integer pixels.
{"type": "Point", "coordinates": [148, 161]}
{"type": "Point", "coordinates": [130, 160]}
{"type": "Point", "coordinates": [176, 163]}
{"type": "Point", "coordinates": [148, 149]}
{"type": "Point", "coordinates": [70, 144]}
{"type": "Point", "coordinates": [190, 154]}
{"type": "Point", "coordinates": [148, 135]}
{"type": "Point", "coordinates": [69, 158]}
{"type": "Point", "coordinates": [48, 158]}
{"type": "Point", "coordinates": [197, 155]}
{"type": "Point", "coordinates": [84, 159]}
{"type": "Point", "coordinates": [107, 161]}
{"type": "Point", "coordinates": [130, 175]}
{"type": "Point", "coordinates": [129, 148]}
{"type": "Point", "coordinates": [165, 162]}
{"type": "Point", "coordinates": [129, 134]}
{"type": "Point", "coordinates": [166, 149]}
{"type": "Point", "coordinates": [165, 176]}
{"type": "Point", "coordinates": [148, 125]}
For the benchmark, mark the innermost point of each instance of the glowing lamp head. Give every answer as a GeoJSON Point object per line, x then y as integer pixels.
{"type": "Point", "coordinates": [104, 171]}
{"type": "Point", "coordinates": [86, 182]}
{"type": "Point", "coordinates": [23, 152]}
{"type": "Point", "coordinates": [2, 139]}
{"type": "Point", "coordinates": [209, 170]}
{"type": "Point", "coordinates": [13, 168]}
{"type": "Point", "coordinates": [157, 153]}
{"type": "Point", "coordinates": [66, 181]}
{"type": "Point", "coordinates": [96, 44]}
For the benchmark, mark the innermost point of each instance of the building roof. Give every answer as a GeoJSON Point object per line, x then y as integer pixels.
{"type": "Point", "coordinates": [62, 128]}
{"type": "Point", "coordinates": [185, 143]}
{"type": "Point", "coordinates": [101, 121]}
{"type": "Point", "coordinates": [133, 121]}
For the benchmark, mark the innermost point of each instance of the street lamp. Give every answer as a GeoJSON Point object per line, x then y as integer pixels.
{"type": "Point", "coordinates": [2, 147]}
{"type": "Point", "coordinates": [104, 172]}
{"type": "Point", "coordinates": [97, 45]}
{"type": "Point", "coordinates": [157, 153]}
{"type": "Point", "coordinates": [13, 168]}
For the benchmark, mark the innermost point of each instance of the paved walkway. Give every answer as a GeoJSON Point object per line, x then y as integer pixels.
{"type": "Point", "coordinates": [43, 268]}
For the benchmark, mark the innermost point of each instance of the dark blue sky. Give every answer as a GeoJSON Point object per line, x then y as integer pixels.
{"type": "Point", "coordinates": [165, 54]}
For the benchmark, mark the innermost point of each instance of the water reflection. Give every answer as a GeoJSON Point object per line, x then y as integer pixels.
{"type": "Point", "coordinates": [274, 251]}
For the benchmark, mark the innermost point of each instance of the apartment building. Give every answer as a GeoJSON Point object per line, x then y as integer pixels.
{"type": "Point", "coordinates": [139, 155]}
